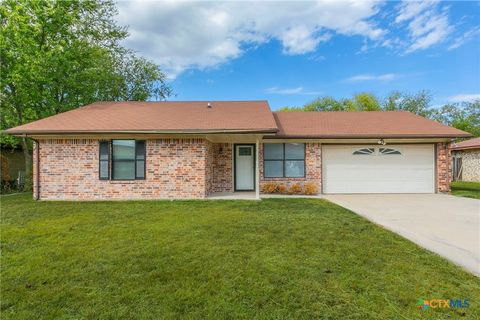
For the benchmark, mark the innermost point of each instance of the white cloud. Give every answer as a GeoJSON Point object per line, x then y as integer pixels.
{"type": "Point", "coordinates": [429, 30]}
{"type": "Point", "coordinates": [467, 36]}
{"type": "Point", "coordinates": [411, 9]}
{"type": "Point", "coordinates": [181, 35]}
{"type": "Point", "coordinates": [372, 77]}
{"type": "Point", "coordinates": [290, 91]}
{"type": "Point", "coordinates": [427, 24]}
{"type": "Point", "coordinates": [317, 58]}
{"type": "Point", "coordinates": [464, 97]}
{"type": "Point", "coordinates": [300, 40]}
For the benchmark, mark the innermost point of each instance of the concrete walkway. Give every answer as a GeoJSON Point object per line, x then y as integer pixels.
{"type": "Point", "coordinates": [445, 224]}
{"type": "Point", "coordinates": [240, 195]}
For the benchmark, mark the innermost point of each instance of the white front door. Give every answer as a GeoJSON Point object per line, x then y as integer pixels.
{"type": "Point", "coordinates": [378, 169]}
{"type": "Point", "coordinates": [244, 167]}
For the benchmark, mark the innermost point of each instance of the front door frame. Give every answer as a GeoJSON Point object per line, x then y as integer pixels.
{"type": "Point", "coordinates": [235, 166]}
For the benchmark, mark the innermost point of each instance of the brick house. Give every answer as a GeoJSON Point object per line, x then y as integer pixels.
{"type": "Point", "coordinates": [466, 160]}
{"type": "Point", "coordinates": [196, 149]}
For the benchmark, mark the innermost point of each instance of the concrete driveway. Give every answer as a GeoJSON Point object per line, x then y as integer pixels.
{"type": "Point", "coordinates": [445, 224]}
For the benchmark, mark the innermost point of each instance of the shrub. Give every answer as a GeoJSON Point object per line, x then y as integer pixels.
{"type": "Point", "coordinates": [310, 188]}
{"type": "Point", "coordinates": [273, 187]}
{"type": "Point", "coordinates": [281, 188]}
{"type": "Point", "coordinates": [270, 187]}
{"type": "Point", "coordinates": [295, 189]}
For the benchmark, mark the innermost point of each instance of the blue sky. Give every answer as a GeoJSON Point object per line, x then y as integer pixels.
{"type": "Point", "coordinates": [289, 53]}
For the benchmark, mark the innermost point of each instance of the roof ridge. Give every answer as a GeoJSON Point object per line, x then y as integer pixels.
{"type": "Point", "coordinates": [354, 111]}
{"type": "Point", "coordinates": [158, 116]}
{"type": "Point", "coordinates": [176, 101]}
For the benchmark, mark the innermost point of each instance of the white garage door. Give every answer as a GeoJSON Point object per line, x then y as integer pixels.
{"type": "Point", "coordinates": [378, 169]}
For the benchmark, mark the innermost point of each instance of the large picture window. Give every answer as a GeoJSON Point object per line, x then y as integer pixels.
{"type": "Point", "coordinates": [284, 160]}
{"type": "Point", "coordinates": [127, 160]}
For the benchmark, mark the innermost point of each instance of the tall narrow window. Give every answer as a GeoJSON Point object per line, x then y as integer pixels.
{"type": "Point", "coordinates": [140, 159]}
{"type": "Point", "coordinates": [284, 160]}
{"type": "Point", "coordinates": [123, 159]}
{"type": "Point", "coordinates": [104, 164]}
{"type": "Point", "coordinates": [273, 160]}
{"type": "Point", "coordinates": [294, 160]}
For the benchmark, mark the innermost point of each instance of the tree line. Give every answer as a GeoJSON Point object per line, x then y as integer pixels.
{"type": "Point", "coordinates": [59, 55]}
{"type": "Point", "coordinates": [463, 115]}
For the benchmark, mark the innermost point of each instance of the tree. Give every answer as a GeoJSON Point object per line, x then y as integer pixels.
{"type": "Point", "coordinates": [59, 55]}
{"type": "Point", "coordinates": [324, 104]}
{"type": "Point", "coordinates": [418, 103]}
{"type": "Point", "coordinates": [464, 116]}
{"type": "Point", "coordinates": [364, 101]}
{"type": "Point", "coordinates": [143, 79]}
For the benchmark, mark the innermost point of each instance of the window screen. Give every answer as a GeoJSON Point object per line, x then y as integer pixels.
{"type": "Point", "coordinates": [140, 159]}
{"type": "Point", "coordinates": [284, 160]}
{"type": "Point", "coordinates": [123, 155]}
{"type": "Point", "coordinates": [127, 160]}
{"type": "Point", "coordinates": [104, 160]}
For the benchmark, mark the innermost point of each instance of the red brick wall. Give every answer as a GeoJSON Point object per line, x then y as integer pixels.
{"type": "Point", "coordinates": [220, 167]}
{"type": "Point", "coordinates": [209, 161]}
{"type": "Point", "coordinates": [175, 168]}
{"type": "Point", "coordinates": [444, 167]}
{"type": "Point", "coordinates": [313, 168]}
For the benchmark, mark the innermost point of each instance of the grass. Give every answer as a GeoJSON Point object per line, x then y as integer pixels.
{"type": "Point", "coordinates": [269, 259]}
{"type": "Point", "coordinates": [466, 189]}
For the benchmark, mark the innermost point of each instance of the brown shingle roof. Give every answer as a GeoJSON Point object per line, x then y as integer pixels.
{"type": "Point", "coordinates": [467, 144]}
{"type": "Point", "coordinates": [195, 116]}
{"type": "Point", "coordinates": [236, 116]}
{"type": "Point", "coordinates": [372, 124]}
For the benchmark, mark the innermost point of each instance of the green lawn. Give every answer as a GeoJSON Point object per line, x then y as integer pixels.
{"type": "Point", "coordinates": [269, 259]}
{"type": "Point", "coordinates": [466, 189]}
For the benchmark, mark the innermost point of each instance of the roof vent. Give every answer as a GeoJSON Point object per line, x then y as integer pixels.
{"type": "Point", "coordinates": [209, 105]}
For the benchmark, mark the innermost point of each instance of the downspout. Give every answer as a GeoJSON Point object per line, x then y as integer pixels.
{"type": "Point", "coordinates": [37, 171]}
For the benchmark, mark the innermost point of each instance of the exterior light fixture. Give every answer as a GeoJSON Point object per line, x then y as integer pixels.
{"type": "Point", "coordinates": [381, 142]}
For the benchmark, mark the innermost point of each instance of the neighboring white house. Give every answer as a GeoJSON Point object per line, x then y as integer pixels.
{"type": "Point", "coordinates": [466, 160]}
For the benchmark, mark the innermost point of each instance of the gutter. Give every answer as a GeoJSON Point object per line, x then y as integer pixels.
{"type": "Point", "coordinates": [194, 131]}
{"type": "Point", "coordinates": [465, 148]}
{"type": "Point", "coordinates": [372, 136]}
